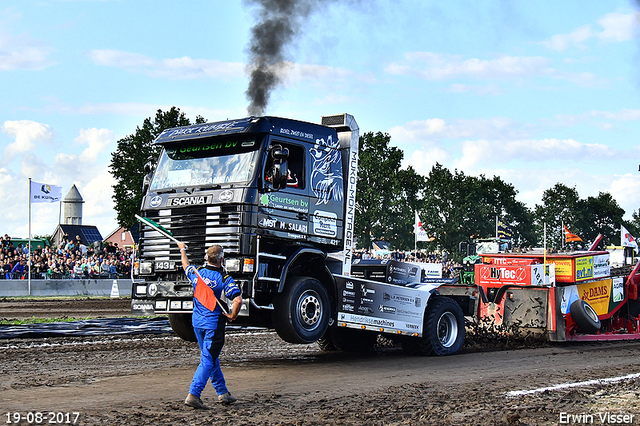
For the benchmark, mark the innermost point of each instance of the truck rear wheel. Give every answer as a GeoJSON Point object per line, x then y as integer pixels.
{"type": "Point", "coordinates": [444, 328]}
{"type": "Point", "coordinates": [301, 313]}
{"type": "Point", "coordinates": [584, 316]}
{"type": "Point", "coordinates": [181, 325]}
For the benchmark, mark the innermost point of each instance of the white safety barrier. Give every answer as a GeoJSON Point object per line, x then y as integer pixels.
{"type": "Point", "coordinates": [12, 288]}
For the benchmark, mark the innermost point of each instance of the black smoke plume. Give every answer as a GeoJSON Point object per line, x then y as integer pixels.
{"type": "Point", "coordinates": [278, 24]}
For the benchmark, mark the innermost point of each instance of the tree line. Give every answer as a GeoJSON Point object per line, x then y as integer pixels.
{"type": "Point", "coordinates": [452, 206]}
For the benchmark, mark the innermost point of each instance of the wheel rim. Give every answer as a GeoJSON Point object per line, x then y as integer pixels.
{"type": "Point", "coordinates": [309, 309]}
{"type": "Point", "coordinates": [591, 313]}
{"type": "Point", "coordinates": [447, 329]}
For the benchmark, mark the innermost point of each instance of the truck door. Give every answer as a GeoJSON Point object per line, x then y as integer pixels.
{"type": "Point", "coordinates": [284, 213]}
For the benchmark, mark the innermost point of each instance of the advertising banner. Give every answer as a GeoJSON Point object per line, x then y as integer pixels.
{"type": "Point", "coordinates": [597, 294]}
{"type": "Point", "coordinates": [584, 268]}
{"type": "Point", "coordinates": [498, 275]}
{"type": "Point", "coordinates": [564, 269]}
{"type": "Point", "coordinates": [432, 270]}
{"type": "Point", "coordinates": [509, 260]}
{"type": "Point", "coordinates": [380, 305]}
{"type": "Point", "coordinates": [601, 267]}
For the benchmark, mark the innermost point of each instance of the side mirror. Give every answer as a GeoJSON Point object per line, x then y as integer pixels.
{"type": "Point", "coordinates": [280, 167]}
{"type": "Point", "coordinates": [146, 180]}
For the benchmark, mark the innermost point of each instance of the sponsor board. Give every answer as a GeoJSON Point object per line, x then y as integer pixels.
{"type": "Point", "coordinates": [499, 275]}
{"type": "Point", "coordinates": [617, 292]}
{"type": "Point", "coordinates": [432, 270]}
{"type": "Point", "coordinates": [325, 223]}
{"type": "Point", "coordinates": [382, 305]}
{"type": "Point", "coordinates": [376, 321]}
{"type": "Point", "coordinates": [597, 294]}
{"type": "Point", "coordinates": [584, 268]}
{"type": "Point", "coordinates": [508, 261]}
{"type": "Point", "coordinates": [282, 225]}
{"type": "Point", "coordinates": [601, 267]}
{"type": "Point", "coordinates": [284, 202]}
{"type": "Point", "coordinates": [564, 269]}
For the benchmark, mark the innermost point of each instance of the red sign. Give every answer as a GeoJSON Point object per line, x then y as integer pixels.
{"type": "Point", "coordinates": [510, 261]}
{"type": "Point", "coordinates": [499, 275]}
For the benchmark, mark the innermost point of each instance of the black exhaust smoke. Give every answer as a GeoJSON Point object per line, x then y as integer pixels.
{"type": "Point", "coordinates": [278, 24]}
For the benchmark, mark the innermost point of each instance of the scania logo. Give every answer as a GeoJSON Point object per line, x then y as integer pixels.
{"type": "Point", "coordinates": [155, 201]}
{"type": "Point", "coordinates": [226, 195]}
{"type": "Point", "coordinates": [189, 201]}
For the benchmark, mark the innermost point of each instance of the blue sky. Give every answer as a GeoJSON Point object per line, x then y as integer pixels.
{"type": "Point", "coordinates": [536, 92]}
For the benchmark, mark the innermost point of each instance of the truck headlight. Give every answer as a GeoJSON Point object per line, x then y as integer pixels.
{"type": "Point", "coordinates": [232, 265]}
{"type": "Point", "coordinates": [146, 268]}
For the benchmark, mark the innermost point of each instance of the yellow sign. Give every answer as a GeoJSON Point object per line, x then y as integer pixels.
{"type": "Point", "coordinates": [564, 269]}
{"type": "Point", "coordinates": [597, 294]}
{"type": "Point", "coordinates": [584, 268]}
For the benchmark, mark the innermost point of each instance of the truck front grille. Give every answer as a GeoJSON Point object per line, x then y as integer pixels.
{"type": "Point", "coordinates": [199, 227]}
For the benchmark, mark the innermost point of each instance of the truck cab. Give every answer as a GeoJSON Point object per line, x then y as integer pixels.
{"type": "Point", "coordinates": [275, 193]}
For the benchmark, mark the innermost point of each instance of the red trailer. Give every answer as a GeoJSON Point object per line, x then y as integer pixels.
{"type": "Point", "coordinates": [560, 296]}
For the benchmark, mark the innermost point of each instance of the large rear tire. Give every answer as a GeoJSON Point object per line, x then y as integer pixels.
{"type": "Point", "coordinates": [444, 328]}
{"type": "Point", "coordinates": [302, 311]}
{"type": "Point", "coordinates": [182, 326]}
{"type": "Point", "coordinates": [585, 316]}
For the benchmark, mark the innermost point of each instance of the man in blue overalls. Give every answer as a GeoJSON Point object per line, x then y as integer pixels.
{"type": "Point", "coordinates": [208, 323]}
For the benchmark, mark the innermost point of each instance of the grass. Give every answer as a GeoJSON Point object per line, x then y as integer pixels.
{"type": "Point", "coordinates": [75, 297]}
{"type": "Point", "coordinates": [34, 320]}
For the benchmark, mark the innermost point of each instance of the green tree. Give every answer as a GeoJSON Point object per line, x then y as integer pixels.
{"type": "Point", "coordinates": [600, 215]}
{"type": "Point", "coordinates": [560, 205]}
{"type": "Point", "coordinates": [459, 208]}
{"type": "Point", "coordinates": [386, 194]}
{"type": "Point", "coordinates": [129, 158]}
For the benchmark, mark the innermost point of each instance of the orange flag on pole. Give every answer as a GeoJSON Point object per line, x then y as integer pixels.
{"type": "Point", "coordinates": [569, 236]}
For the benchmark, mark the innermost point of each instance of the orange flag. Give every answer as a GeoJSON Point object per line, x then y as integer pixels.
{"type": "Point", "coordinates": [569, 236]}
{"type": "Point", "coordinates": [204, 294]}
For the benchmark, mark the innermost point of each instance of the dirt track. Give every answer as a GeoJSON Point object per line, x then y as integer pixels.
{"type": "Point", "coordinates": [143, 380]}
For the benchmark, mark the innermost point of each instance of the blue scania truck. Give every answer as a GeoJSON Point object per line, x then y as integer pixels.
{"type": "Point", "coordinates": [279, 195]}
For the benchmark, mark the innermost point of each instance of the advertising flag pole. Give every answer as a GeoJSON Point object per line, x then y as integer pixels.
{"type": "Point", "coordinates": [415, 238]}
{"type": "Point", "coordinates": [29, 254]}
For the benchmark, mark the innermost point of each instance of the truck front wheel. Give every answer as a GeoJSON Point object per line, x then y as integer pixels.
{"type": "Point", "coordinates": [301, 313]}
{"type": "Point", "coordinates": [181, 325]}
{"type": "Point", "coordinates": [443, 331]}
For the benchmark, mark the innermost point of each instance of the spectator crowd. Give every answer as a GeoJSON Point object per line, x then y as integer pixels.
{"type": "Point", "coordinates": [70, 260]}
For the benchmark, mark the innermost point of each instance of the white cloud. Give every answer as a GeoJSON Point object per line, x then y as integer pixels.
{"type": "Point", "coordinates": [619, 26]}
{"type": "Point", "coordinates": [98, 207]}
{"type": "Point", "coordinates": [615, 27]}
{"type": "Point", "coordinates": [436, 66]}
{"type": "Point", "coordinates": [577, 37]}
{"type": "Point", "coordinates": [23, 53]}
{"type": "Point", "coordinates": [422, 160]}
{"type": "Point", "coordinates": [97, 139]}
{"type": "Point", "coordinates": [172, 68]}
{"type": "Point", "coordinates": [27, 133]}
{"type": "Point", "coordinates": [531, 151]}
{"type": "Point", "coordinates": [625, 189]}
{"type": "Point", "coordinates": [436, 128]}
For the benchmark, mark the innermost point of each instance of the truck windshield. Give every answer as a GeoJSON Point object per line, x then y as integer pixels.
{"type": "Point", "coordinates": [206, 162]}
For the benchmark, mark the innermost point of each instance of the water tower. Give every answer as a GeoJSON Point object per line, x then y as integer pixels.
{"type": "Point", "coordinates": [72, 207]}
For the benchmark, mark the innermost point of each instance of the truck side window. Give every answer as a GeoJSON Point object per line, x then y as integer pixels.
{"type": "Point", "coordinates": [295, 174]}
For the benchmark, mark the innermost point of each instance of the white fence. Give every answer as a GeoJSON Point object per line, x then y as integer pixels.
{"type": "Point", "coordinates": [103, 287]}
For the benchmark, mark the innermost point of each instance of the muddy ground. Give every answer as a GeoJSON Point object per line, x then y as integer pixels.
{"type": "Point", "coordinates": [142, 380]}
